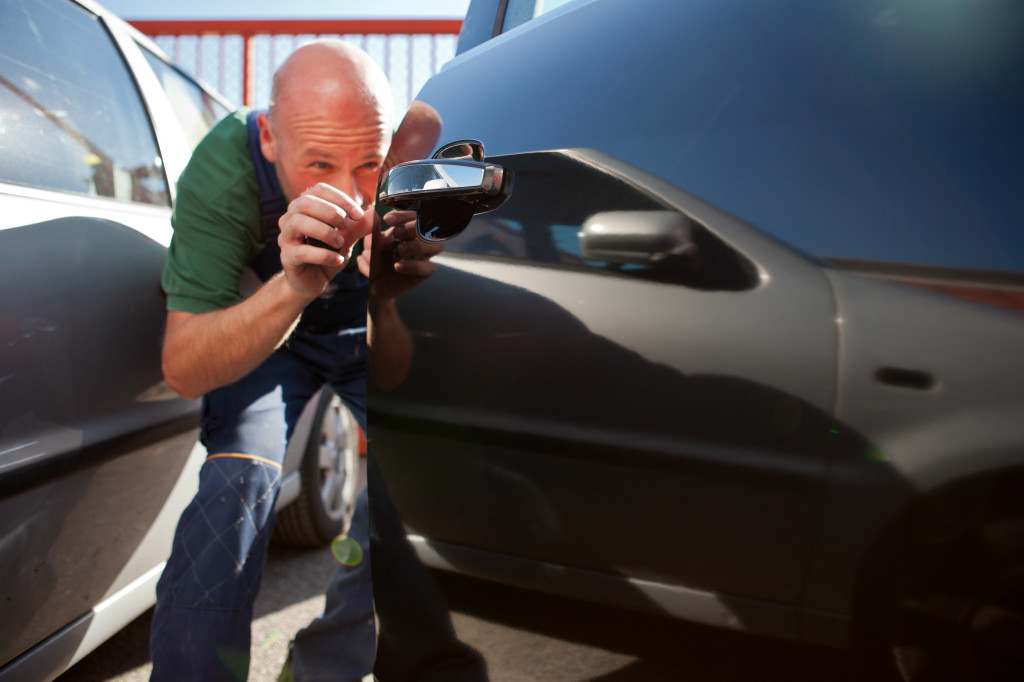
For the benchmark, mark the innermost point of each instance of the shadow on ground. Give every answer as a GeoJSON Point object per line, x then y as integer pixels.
{"type": "Point", "coordinates": [646, 648]}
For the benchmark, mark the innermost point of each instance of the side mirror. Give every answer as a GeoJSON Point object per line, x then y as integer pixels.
{"type": "Point", "coordinates": [445, 193]}
{"type": "Point", "coordinates": [408, 185]}
{"type": "Point", "coordinates": [638, 237]}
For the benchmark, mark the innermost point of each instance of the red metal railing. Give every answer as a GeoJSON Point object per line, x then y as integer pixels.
{"type": "Point", "coordinates": [205, 45]}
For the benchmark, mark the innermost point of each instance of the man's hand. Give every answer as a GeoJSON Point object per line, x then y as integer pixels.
{"type": "Point", "coordinates": [205, 351]}
{"type": "Point", "coordinates": [330, 216]}
{"type": "Point", "coordinates": [396, 260]}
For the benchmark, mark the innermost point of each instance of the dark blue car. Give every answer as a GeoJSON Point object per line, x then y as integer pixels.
{"type": "Point", "coordinates": [743, 342]}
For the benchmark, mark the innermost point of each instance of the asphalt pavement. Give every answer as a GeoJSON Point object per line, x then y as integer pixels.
{"type": "Point", "coordinates": [523, 635]}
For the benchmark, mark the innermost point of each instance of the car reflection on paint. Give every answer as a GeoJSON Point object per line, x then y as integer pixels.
{"type": "Point", "coordinates": [801, 417]}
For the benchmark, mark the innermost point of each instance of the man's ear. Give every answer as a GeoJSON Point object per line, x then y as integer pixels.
{"type": "Point", "coordinates": [267, 142]}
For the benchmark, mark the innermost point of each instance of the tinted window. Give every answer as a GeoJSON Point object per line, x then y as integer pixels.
{"type": "Point", "coordinates": [569, 192]}
{"type": "Point", "coordinates": [70, 114]}
{"type": "Point", "coordinates": [520, 11]}
{"type": "Point", "coordinates": [554, 195]}
{"type": "Point", "coordinates": [195, 109]}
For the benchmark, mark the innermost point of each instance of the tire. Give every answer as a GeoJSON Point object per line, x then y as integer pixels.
{"type": "Point", "coordinates": [960, 618]}
{"type": "Point", "coordinates": [329, 469]}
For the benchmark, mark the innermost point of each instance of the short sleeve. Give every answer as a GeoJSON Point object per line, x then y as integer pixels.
{"type": "Point", "coordinates": [216, 223]}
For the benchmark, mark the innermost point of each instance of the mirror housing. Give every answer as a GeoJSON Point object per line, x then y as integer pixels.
{"type": "Point", "coordinates": [638, 237]}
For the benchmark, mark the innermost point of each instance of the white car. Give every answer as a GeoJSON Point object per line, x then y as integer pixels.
{"type": "Point", "coordinates": [97, 456]}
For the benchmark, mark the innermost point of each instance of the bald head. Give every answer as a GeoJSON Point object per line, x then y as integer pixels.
{"type": "Point", "coordinates": [333, 74]}
{"type": "Point", "coordinates": [330, 121]}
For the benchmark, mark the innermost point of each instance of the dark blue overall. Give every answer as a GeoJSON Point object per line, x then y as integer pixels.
{"type": "Point", "coordinates": [201, 627]}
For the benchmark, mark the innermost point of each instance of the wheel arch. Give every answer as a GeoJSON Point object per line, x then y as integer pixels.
{"type": "Point", "coordinates": [957, 526]}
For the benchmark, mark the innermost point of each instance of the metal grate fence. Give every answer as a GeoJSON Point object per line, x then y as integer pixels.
{"type": "Point", "coordinates": [238, 58]}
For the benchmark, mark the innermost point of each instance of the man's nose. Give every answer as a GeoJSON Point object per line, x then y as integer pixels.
{"type": "Point", "coordinates": [347, 183]}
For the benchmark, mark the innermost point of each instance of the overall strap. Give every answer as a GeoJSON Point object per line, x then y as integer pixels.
{"type": "Point", "coordinates": [343, 305]}
{"type": "Point", "coordinates": [271, 197]}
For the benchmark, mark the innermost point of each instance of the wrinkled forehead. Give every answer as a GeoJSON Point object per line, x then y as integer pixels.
{"type": "Point", "coordinates": [314, 112]}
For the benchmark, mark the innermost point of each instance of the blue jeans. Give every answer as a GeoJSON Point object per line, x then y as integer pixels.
{"type": "Point", "coordinates": [201, 626]}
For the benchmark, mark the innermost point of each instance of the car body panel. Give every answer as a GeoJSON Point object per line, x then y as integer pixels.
{"type": "Point", "coordinates": [73, 642]}
{"type": "Point", "coordinates": [97, 455]}
{"type": "Point", "coordinates": [692, 410]}
{"type": "Point", "coordinates": [964, 422]}
{"type": "Point", "coordinates": [755, 435]}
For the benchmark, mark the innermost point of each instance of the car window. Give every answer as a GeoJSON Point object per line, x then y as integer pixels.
{"type": "Point", "coordinates": [555, 194]}
{"type": "Point", "coordinates": [70, 114]}
{"type": "Point", "coordinates": [195, 109]}
{"type": "Point", "coordinates": [518, 12]}
{"type": "Point", "coordinates": [569, 191]}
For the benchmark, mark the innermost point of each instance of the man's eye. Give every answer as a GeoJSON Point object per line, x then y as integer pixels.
{"type": "Point", "coordinates": [321, 165]}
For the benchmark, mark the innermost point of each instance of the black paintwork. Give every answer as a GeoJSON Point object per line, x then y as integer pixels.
{"type": "Point", "coordinates": [754, 424]}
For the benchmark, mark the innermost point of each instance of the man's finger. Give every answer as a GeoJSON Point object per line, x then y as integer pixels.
{"type": "Point", "coordinates": [415, 268]}
{"type": "Point", "coordinates": [323, 210]}
{"type": "Point", "coordinates": [307, 254]}
{"type": "Point", "coordinates": [296, 228]}
{"type": "Point", "coordinates": [332, 195]}
{"type": "Point", "coordinates": [393, 218]}
{"type": "Point", "coordinates": [418, 250]}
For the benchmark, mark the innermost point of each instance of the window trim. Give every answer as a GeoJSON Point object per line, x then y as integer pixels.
{"type": "Point", "coordinates": [499, 18]}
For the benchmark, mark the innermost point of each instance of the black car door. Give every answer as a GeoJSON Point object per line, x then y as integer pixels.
{"type": "Point", "coordinates": [666, 422]}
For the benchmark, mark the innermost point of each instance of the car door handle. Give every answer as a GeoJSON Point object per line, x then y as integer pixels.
{"type": "Point", "coordinates": [446, 192]}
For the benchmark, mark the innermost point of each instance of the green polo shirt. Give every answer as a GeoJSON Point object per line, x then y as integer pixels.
{"type": "Point", "coordinates": [216, 222]}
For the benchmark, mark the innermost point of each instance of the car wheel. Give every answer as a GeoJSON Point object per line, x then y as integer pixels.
{"type": "Point", "coordinates": [329, 479]}
{"type": "Point", "coordinates": [965, 619]}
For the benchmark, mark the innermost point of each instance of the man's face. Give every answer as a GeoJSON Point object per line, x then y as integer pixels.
{"type": "Point", "coordinates": [343, 146]}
